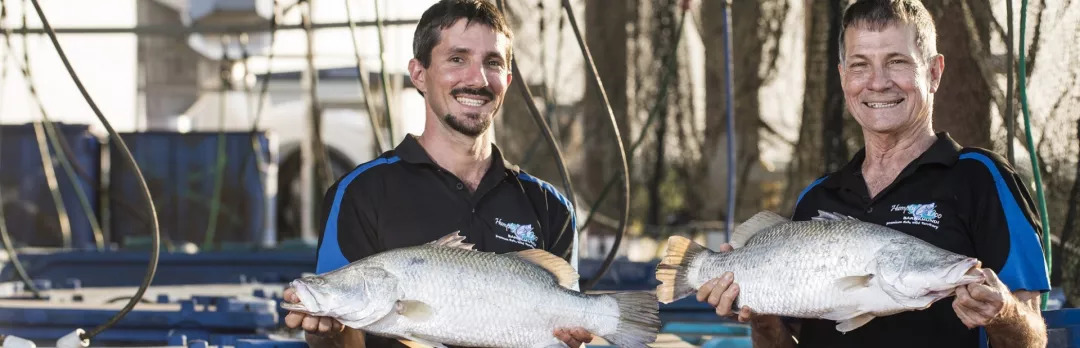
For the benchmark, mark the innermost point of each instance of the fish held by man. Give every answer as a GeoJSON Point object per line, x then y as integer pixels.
{"type": "Point", "coordinates": [445, 292]}
{"type": "Point", "coordinates": [833, 267]}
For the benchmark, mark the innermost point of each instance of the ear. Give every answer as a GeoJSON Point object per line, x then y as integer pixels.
{"type": "Point", "coordinates": [937, 68]}
{"type": "Point", "coordinates": [418, 74]}
{"type": "Point", "coordinates": [509, 78]}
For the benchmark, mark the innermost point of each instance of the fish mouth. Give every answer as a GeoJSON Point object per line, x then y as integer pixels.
{"type": "Point", "coordinates": [307, 301]}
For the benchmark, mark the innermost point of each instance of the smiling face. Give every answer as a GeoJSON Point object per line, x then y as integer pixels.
{"type": "Point", "coordinates": [466, 80]}
{"type": "Point", "coordinates": [888, 83]}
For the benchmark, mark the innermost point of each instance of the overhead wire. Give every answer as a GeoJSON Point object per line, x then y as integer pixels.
{"type": "Point", "coordinates": [362, 79]}
{"type": "Point", "coordinates": [225, 73]}
{"type": "Point", "coordinates": [621, 230]}
{"type": "Point", "coordinates": [564, 173]}
{"type": "Point", "coordinates": [383, 75]}
{"type": "Point", "coordinates": [64, 155]}
{"type": "Point", "coordinates": [9, 244]}
{"type": "Point", "coordinates": [155, 249]}
{"type": "Point", "coordinates": [654, 114]}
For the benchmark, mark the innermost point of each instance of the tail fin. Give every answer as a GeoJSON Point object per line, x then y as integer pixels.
{"type": "Point", "coordinates": [672, 270]}
{"type": "Point", "coordinates": [639, 319]}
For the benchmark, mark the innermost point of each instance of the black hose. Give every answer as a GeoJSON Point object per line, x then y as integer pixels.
{"type": "Point", "coordinates": [155, 247]}
{"type": "Point", "coordinates": [527, 95]}
{"type": "Point", "coordinates": [618, 140]}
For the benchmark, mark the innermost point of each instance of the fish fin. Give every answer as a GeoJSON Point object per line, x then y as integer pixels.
{"type": "Point", "coordinates": [413, 342]}
{"type": "Point", "coordinates": [850, 283]}
{"type": "Point", "coordinates": [759, 222]}
{"type": "Point", "coordinates": [414, 310]}
{"type": "Point", "coordinates": [639, 319]}
{"type": "Point", "coordinates": [672, 270]}
{"type": "Point", "coordinates": [564, 274]}
{"type": "Point", "coordinates": [854, 323]}
{"type": "Point", "coordinates": [453, 240]}
{"type": "Point", "coordinates": [830, 216]}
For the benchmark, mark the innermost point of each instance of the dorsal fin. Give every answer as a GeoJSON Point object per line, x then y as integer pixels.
{"type": "Point", "coordinates": [453, 240]}
{"type": "Point", "coordinates": [564, 274]}
{"type": "Point", "coordinates": [755, 224]}
{"type": "Point", "coordinates": [830, 216]}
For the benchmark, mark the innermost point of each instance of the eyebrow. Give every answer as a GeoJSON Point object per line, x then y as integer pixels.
{"type": "Point", "coordinates": [887, 56]}
{"type": "Point", "coordinates": [463, 50]}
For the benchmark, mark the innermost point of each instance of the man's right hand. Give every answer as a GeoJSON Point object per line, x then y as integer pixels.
{"type": "Point", "coordinates": [721, 293]}
{"type": "Point", "coordinates": [311, 324]}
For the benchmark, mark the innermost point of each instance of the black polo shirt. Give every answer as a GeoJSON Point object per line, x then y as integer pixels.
{"type": "Point", "coordinates": [965, 200]}
{"type": "Point", "coordinates": [403, 198]}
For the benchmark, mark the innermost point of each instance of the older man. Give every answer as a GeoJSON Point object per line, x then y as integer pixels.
{"type": "Point", "coordinates": [966, 200]}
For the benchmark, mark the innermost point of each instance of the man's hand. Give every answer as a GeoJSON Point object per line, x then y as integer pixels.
{"type": "Point", "coordinates": [982, 303]}
{"type": "Point", "coordinates": [722, 292]}
{"type": "Point", "coordinates": [573, 337]}
{"type": "Point", "coordinates": [311, 324]}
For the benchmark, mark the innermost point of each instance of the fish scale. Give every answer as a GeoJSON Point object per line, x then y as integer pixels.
{"type": "Point", "coordinates": [833, 267]}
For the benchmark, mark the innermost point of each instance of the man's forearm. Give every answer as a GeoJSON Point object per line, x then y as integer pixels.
{"type": "Point", "coordinates": [1020, 326]}
{"type": "Point", "coordinates": [348, 338]}
{"type": "Point", "coordinates": [769, 331]}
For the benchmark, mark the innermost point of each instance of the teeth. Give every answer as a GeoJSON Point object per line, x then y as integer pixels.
{"type": "Point", "coordinates": [470, 102]}
{"type": "Point", "coordinates": [882, 105]}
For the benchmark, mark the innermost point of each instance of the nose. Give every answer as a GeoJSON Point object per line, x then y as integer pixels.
{"type": "Point", "coordinates": [475, 76]}
{"type": "Point", "coordinates": [880, 80]}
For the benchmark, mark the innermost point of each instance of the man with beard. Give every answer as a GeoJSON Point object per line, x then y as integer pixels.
{"type": "Point", "coordinates": [450, 178]}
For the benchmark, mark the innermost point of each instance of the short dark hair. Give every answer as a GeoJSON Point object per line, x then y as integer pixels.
{"type": "Point", "coordinates": [445, 13]}
{"type": "Point", "coordinates": [876, 15]}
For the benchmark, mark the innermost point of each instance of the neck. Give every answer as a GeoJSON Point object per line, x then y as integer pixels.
{"type": "Point", "coordinates": [466, 157]}
{"type": "Point", "coordinates": [896, 150]}
{"type": "Point", "coordinates": [888, 154]}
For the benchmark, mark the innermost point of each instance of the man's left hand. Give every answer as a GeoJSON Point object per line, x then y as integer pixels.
{"type": "Point", "coordinates": [980, 304]}
{"type": "Point", "coordinates": [573, 337]}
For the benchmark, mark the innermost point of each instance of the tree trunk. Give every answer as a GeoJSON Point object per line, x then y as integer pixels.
{"type": "Point", "coordinates": [606, 36]}
{"type": "Point", "coordinates": [962, 103]}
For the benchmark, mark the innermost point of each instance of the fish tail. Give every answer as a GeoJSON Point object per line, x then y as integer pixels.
{"type": "Point", "coordinates": [672, 270]}
{"type": "Point", "coordinates": [639, 319]}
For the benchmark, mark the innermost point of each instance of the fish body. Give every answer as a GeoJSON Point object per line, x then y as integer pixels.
{"type": "Point", "coordinates": [446, 293]}
{"type": "Point", "coordinates": [833, 267]}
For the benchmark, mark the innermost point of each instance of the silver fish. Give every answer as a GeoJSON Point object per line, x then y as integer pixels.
{"type": "Point", "coordinates": [833, 267]}
{"type": "Point", "coordinates": [446, 293]}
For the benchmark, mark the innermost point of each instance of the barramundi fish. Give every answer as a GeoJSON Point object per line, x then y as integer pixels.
{"type": "Point", "coordinates": [833, 267]}
{"type": "Point", "coordinates": [445, 292]}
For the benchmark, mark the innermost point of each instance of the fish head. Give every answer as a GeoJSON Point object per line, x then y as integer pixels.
{"type": "Point", "coordinates": [349, 294]}
{"type": "Point", "coordinates": [925, 275]}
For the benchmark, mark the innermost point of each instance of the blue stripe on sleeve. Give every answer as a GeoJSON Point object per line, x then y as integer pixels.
{"type": "Point", "coordinates": [330, 256]}
{"type": "Point", "coordinates": [807, 189]}
{"type": "Point", "coordinates": [569, 208]}
{"type": "Point", "coordinates": [1025, 267]}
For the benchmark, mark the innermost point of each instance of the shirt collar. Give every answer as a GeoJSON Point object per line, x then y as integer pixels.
{"type": "Point", "coordinates": [410, 151]}
{"type": "Point", "coordinates": [944, 151]}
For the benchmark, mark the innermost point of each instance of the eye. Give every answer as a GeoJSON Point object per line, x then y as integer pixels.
{"type": "Point", "coordinates": [456, 60]}
{"type": "Point", "coordinates": [495, 63]}
{"type": "Point", "coordinates": [897, 61]}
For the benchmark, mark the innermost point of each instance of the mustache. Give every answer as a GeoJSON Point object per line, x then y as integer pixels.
{"type": "Point", "coordinates": [474, 91]}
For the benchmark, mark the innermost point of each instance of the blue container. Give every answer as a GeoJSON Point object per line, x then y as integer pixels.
{"type": "Point", "coordinates": [28, 204]}
{"type": "Point", "coordinates": [180, 171]}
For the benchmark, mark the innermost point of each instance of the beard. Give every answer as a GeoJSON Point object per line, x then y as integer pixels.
{"type": "Point", "coordinates": [462, 124]}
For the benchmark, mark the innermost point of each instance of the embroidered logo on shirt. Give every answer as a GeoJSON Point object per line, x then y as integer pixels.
{"type": "Point", "coordinates": [520, 234]}
{"type": "Point", "coordinates": [917, 214]}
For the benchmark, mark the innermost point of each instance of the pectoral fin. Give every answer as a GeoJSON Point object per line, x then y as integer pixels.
{"type": "Point", "coordinates": [414, 310]}
{"type": "Point", "coordinates": [854, 323]}
{"type": "Point", "coordinates": [854, 282]}
{"type": "Point", "coordinates": [416, 342]}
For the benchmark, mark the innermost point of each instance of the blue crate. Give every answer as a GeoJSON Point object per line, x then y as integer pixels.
{"type": "Point", "coordinates": [126, 268]}
{"type": "Point", "coordinates": [28, 204]}
{"type": "Point", "coordinates": [180, 170]}
{"type": "Point", "coordinates": [228, 320]}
